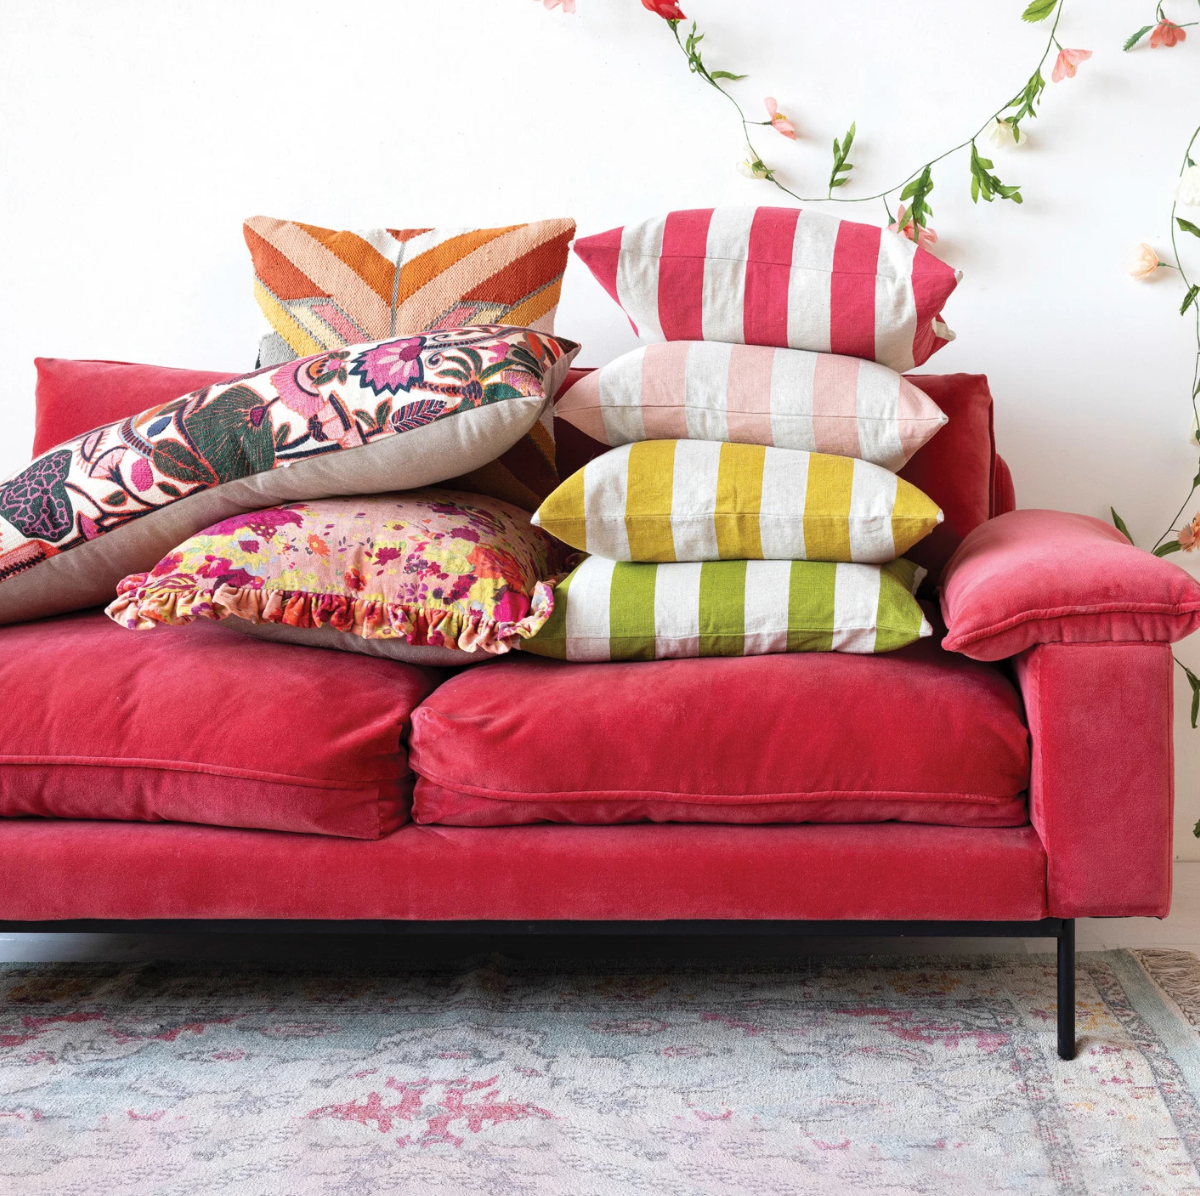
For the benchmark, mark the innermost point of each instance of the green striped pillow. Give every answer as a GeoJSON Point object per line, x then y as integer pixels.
{"type": "Point", "coordinates": [614, 610]}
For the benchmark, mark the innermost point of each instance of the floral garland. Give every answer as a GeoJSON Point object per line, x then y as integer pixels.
{"type": "Point", "coordinates": [1002, 128]}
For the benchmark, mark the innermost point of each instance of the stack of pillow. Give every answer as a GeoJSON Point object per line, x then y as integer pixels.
{"type": "Point", "coordinates": [375, 496]}
{"type": "Point", "coordinates": [369, 489]}
{"type": "Point", "coordinates": [748, 502]}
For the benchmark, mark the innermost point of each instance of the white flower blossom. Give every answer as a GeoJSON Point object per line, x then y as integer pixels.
{"type": "Point", "coordinates": [1003, 134]}
{"type": "Point", "coordinates": [753, 167]}
{"type": "Point", "coordinates": [1187, 190]}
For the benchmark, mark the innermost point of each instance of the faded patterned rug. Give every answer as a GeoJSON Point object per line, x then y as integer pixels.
{"type": "Point", "coordinates": [877, 1075]}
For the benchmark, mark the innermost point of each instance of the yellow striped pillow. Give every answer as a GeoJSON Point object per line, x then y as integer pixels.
{"type": "Point", "coordinates": [699, 500]}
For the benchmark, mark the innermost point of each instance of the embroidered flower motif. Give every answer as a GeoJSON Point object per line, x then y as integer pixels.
{"type": "Point", "coordinates": [299, 383]}
{"type": "Point", "coordinates": [1167, 33]}
{"type": "Point", "coordinates": [392, 366]}
{"type": "Point", "coordinates": [317, 545]}
{"type": "Point", "coordinates": [1143, 263]}
{"type": "Point", "coordinates": [779, 122]}
{"type": "Point", "coordinates": [1189, 534]}
{"type": "Point", "coordinates": [1067, 63]}
{"type": "Point", "coordinates": [903, 226]}
{"type": "Point", "coordinates": [354, 580]}
{"type": "Point", "coordinates": [141, 475]}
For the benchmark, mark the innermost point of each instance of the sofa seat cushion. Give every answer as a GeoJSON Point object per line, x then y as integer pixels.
{"type": "Point", "coordinates": [199, 724]}
{"type": "Point", "coordinates": [919, 735]}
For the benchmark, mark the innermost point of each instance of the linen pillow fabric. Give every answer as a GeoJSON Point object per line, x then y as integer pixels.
{"type": "Point", "coordinates": [396, 414]}
{"type": "Point", "coordinates": [698, 500]}
{"type": "Point", "coordinates": [608, 610]}
{"type": "Point", "coordinates": [410, 575]}
{"type": "Point", "coordinates": [787, 277]}
{"type": "Point", "coordinates": [754, 394]}
{"type": "Point", "coordinates": [322, 288]}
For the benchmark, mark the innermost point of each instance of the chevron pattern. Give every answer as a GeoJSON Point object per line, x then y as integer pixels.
{"type": "Point", "coordinates": [321, 289]}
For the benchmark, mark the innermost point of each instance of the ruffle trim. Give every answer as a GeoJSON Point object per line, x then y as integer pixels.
{"type": "Point", "coordinates": [144, 602]}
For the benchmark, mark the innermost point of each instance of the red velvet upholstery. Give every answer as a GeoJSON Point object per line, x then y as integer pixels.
{"type": "Point", "coordinates": [76, 396]}
{"type": "Point", "coordinates": [1039, 577]}
{"type": "Point", "coordinates": [1004, 494]}
{"type": "Point", "coordinates": [137, 870]}
{"type": "Point", "coordinates": [955, 468]}
{"type": "Point", "coordinates": [807, 737]}
{"type": "Point", "coordinates": [200, 724]}
{"type": "Point", "coordinates": [1102, 790]}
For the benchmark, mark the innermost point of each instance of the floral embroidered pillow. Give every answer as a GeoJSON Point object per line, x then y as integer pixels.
{"type": "Point", "coordinates": [432, 576]}
{"type": "Point", "coordinates": [389, 415]}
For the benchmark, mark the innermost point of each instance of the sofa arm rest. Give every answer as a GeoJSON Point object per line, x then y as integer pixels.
{"type": "Point", "coordinates": [1047, 577]}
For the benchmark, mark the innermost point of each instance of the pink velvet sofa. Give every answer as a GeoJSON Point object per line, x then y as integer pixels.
{"type": "Point", "coordinates": [1024, 779]}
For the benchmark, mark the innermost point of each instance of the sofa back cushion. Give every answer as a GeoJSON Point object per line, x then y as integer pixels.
{"type": "Point", "coordinates": [955, 469]}
{"type": "Point", "coordinates": [73, 397]}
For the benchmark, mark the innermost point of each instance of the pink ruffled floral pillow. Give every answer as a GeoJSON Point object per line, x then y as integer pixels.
{"type": "Point", "coordinates": [427, 575]}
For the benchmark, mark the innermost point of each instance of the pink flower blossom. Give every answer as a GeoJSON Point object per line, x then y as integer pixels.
{"type": "Point", "coordinates": [667, 9]}
{"type": "Point", "coordinates": [1189, 534]}
{"type": "Point", "coordinates": [1067, 63]}
{"type": "Point", "coordinates": [779, 122]}
{"type": "Point", "coordinates": [567, 5]}
{"type": "Point", "coordinates": [1167, 33]}
{"type": "Point", "coordinates": [924, 237]}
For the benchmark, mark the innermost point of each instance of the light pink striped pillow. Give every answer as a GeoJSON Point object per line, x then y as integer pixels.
{"type": "Point", "coordinates": [753, 394]}
{"type": "Point", "coordinates": [787, 277]}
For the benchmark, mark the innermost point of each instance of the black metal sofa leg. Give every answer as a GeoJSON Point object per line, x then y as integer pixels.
{"type": "Point", "coordinates": [1066, 989]}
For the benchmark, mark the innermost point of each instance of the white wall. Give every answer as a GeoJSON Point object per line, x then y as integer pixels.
{"type": "Point", "coordinates": [135, 135]}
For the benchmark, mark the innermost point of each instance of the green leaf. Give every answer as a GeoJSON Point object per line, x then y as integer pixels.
{"type": "Point", "coordinates": [1133, 39]}
{"type": "Point", "coordinates": [281, 435]}
{"type": "Point", "coordinates": [115, 499]}
{"type": "Point", "coordinates": [225, 431]}
{"type": "Point", "coordinates": [1039, 10]}
{"type": "Point", "coordinates": [841, 151]}
{"type": "Point", "coordinates": [178, 461]}
{"type": "Point", "coordinates": [382, 411]}
{"type": "Point", "coordinates": [1194, 682]}
{"type": "Point", "coordinates": [1189, 298]}
{"type": "Point", "coordinates": [1119, 524]}
{"type": "Point", "coordinates": [725, 75]}
{"type": "Point", "coordinates": [1169, 547]}
{"type": "Point", "coordinates": [985, 184]}
{"type": "Point", "coordinates": [169, 490]}
{"type": "Point", "coordinates": [1187, 226]}
{"type": "Point", "coordinates": [495, 392]}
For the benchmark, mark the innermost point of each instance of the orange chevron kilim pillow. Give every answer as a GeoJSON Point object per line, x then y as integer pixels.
{"type": "Point", "coordinates": [322, 289]}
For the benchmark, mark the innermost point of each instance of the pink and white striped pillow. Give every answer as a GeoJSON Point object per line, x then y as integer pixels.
{"type": "Point", "coordinates": [754, 394]}
{"type": "Point", "coordinates": [787, 277]}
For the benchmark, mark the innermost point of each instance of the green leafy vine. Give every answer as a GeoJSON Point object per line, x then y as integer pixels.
{"type": "Point", "coordinates": [1003, 127]}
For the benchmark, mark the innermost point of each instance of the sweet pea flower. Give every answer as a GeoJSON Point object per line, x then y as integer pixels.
{"type": "Point", "coordinates": [925, 236]}
{"type": "Point", "coordinates": [779, 122]}
{"type": "Point", "coordinates": [667, 9]}
{"type": "Point", "coordinates": [1004, 134]}
{"type": "Point", "coordinates": [753, 167]}
{"type": "Point", "coordinates": [1067, 63]}
{"type": "Point", "coordinates": [1187, 190]}
{"type": "Point", "coordinates": [1144, 262]}
{"type": "Point", "coordinates": [567, 5]}
{"type": "Point", "coordinates": [1167, 33]}
{"type": "Point", "coordinates": [1189, 534]}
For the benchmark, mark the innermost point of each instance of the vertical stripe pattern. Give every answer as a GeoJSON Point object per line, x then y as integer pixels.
{"type": "Point", "coordinates": [785, 277]}
{"type": "Point", "coordinates": [612, 611]}
{"type": "Point", "coordinates": [751, 394]}
{"type": "Point", "coordinates": [701, 500]}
